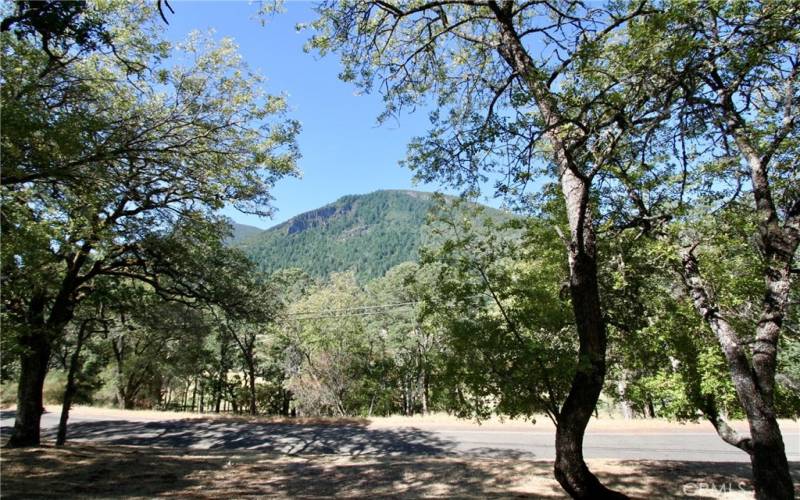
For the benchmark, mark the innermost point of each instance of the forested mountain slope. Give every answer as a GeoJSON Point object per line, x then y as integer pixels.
{"type": "Point", "coordinates": [367, 234]}
{"type": "Point", "coordinates": [242, 232]}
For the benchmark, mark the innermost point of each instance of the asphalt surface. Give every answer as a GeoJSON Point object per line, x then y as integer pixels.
{"type": "Point", "coordinates": [357, 440]}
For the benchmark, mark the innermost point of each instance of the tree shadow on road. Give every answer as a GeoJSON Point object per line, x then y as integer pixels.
{"type": "Point", "coordinates": [235, 434]}
{"type": "Point", "coordinates": [213, 458]}
{"type": "Point", "coordinates": [123, 471]}
{"type": "Point", "coordinates": [84, 470]}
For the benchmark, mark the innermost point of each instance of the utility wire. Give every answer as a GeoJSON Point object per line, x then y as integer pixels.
{"type": "Point", "coordinates": [360, 308]}
{"type": "Point", "coordinates": [356, 311]}
{"type": "Point", "coordinates": [339, 316]}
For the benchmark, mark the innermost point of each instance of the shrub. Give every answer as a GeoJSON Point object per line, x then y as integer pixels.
{"type": "Point", "coordinates": [8, 394]}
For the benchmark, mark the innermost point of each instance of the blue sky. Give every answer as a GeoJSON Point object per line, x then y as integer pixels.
{"type": "Point", "coordinates": [344, 151]}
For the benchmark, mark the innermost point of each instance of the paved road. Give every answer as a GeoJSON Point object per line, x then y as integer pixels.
{"type": "Point", "coordinates": [355, 440]}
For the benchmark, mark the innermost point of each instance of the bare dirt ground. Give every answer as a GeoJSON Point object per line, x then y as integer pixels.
{"type": "Point", "coordinates": [83, 470]}
{"type": "Point", "coordinates": [92, 469]}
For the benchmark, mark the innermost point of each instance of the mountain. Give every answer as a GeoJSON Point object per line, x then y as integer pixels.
{"type": "Point", "coordinates": [242, 232]}
{"type": "Point", "coordinates": [368, 234]}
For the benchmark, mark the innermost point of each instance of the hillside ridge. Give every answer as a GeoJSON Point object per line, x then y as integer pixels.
{"type": "Point", "coordinates": [339, 206]}
{"type": "Point", "coordinates": [364, 233]}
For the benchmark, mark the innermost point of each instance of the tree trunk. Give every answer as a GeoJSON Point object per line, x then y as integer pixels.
{"type": "Point", "coordinates": [118, 347]}
{"type": "Point", "coordinates": [625, 406]}
{"type": "Point", "coordinates": [286, 401]}
{"type": "Point", "coordinates": [771, 476]}
{"type": "Point", "coordinates": [69, 390]}
{"type": "Point", "coordinates": [34, 358]}
{"type": "Point", "coordinates": [194, 394]}
{"type": "Point", "coordinates": [33, 370]}
{"type": "Point", "coordinates": [126, 396]}
{"type": "Point", "coordinates": [570, 469]}
{"type": "Point", "coordinates": [252, 376]}
{"type": "Point", "coordinates": [587, 383]}
{"type": "Point", "coordinates": [649, 409]}
{"type": "Point", "coordinates": [424, 393]}
{"type": "Point", "coordinates": [219, 386]}
{"type": "Point", "coordinates": [778, 243]}
{"type": "Point", "coordinates": [234, 402]}
{"type": "Point", "coordinates": [409, 396]}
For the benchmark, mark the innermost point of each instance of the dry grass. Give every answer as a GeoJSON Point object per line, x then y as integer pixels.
{"type": "Point", "coordinates": [98, 413]}
{"type": "Point", "coordinates": [83, 470]}
{"type": "Point", "coordinates": [439, 421]}
{"type": "Point", "coordinates": [542, 423]}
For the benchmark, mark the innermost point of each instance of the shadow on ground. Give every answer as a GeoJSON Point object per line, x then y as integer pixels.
{"type": "Point", "coordinates": [235, 434]}
{"type": "Point", "coordinates": [352, 438]}
{"type": "Point", "coordinates": [213, 458]}
{"type": "Point", "coordinates": [124, 471]}
{"type": "Point", "coordinates": [83, 470]}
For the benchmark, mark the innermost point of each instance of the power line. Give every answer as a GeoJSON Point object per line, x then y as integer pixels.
{"type": "Point", "coordinates": [356, 311]}
{"type": "Point", "coordinates": [339, 316]}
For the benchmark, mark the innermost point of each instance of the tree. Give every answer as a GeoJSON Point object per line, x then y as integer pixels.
{"type": "Point", "coordinates": [335, 358]}
{"type": "Point", "coordinates": [748, 88]}
{"type": "Point", "coordinates": [506, 326]}
{"type": "Point", "coordinates": [245, 335]}
{"type": "Point", "coordinates": [520, 90]}
{"type": "Point", "coordinates": [413, 344]}
{"type": "Point", "coordinates": [223, 364]}
{"type": "Point", "coordinates": [246, 326]}
{"type": "Point", "coordinates": [735, 68]}
{"type": "Point", "coordinates": [153, 342]}
{"type": "Point", "coordinates": [83, 333]}
{"type": "Point", "coordinates": [113, 174]}
{"type": "Point", "coordinates": [92, 317]}
{"type": "Point", "coordinates": [665, 361]}
{"type": "Point", "coordinates": [66, 31]}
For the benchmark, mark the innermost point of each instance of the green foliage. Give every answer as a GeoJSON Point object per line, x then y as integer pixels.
{"type": "Point", "coordinates": [104, 166]}
{"type": "Point", "coordinates": [53, 392]}
{"type": "Point", "coordinates": [242, 232]}
{"type": "Point", "coordinates": [8, 394]}
{"type": "Point", "coordinates": [331, 350]}
{"type": "Point", "coordinates": [114, 164]}
{"type": "Point", "coordinates": [788, 378]}
{"type": "Point", "coordinates": [413, 342]}
{"type": "Point", "coordinates": [506, 328]}
{"type": "Point", "coordinates": [365, 234]}
{"type": "Point", "coordinates": [353, 350]}
{"type": "Point", "coordinates": [666, 355]}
